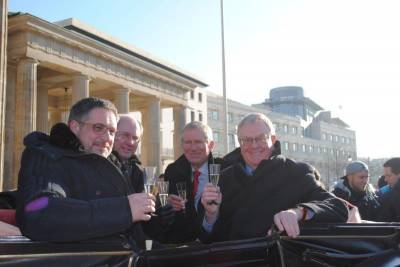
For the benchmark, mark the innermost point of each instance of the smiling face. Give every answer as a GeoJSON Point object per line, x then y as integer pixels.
{"type": "Point", "coordinates": [127, 138]}
{"type": "Point", "coordinates": [359, 180]}
{"type": "Point", "coordinates": [195, 147]}
{"type": "Point", "coordinates": [256, 143]}
{"type": "Point", "coordinates": [96, 131]}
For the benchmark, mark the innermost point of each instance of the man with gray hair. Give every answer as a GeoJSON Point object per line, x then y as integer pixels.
{"type": "Point", "coordinates": [191, 169]}
{"type": "Point", "coordinates": [261, 189]}
{"type": "Point", "coordinates": [356, 189]}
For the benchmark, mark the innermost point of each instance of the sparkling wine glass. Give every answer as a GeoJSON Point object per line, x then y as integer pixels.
{"type": "Point", "coordinates": [214, 172]}
{"type": "Point", "coordinates": [163, 191]}
{"type": "Point", "coordinates": [181, 188]}
{"type": "Point", "coordinates": [149, 179]}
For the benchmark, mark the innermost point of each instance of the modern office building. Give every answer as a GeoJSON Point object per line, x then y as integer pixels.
{"type": "Point", "coordinates": [306, 131]}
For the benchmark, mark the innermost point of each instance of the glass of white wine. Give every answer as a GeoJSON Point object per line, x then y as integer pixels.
{"type": "Point", "coordinates": [163, 191]}
{"type": "Point", "coordinates": [181, 188]}
{"type": "Point", "coordinates": [149, 179]}
{"type": "Point", "coordinates": [214, 172]}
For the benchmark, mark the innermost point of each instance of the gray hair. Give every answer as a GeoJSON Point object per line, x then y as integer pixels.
{"type": "Point", "coordinates": [205, 129]}
{"type": "Point", "coordinates": [255, 117]}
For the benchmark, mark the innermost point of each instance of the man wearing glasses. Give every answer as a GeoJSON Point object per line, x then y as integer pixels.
{"type": "Point", "coordinates": [261, 189]}
{"type": "Point", "coordinates": [69, 190]}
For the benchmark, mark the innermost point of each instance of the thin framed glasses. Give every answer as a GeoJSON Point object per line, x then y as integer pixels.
{"type": "Point", "coordinates": [259, 140]}
{"type": "Point", "coordinates": [100, 128]}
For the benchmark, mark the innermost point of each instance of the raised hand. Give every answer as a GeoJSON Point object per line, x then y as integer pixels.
{"type": "Point", "coordinates": [141, 204]}
{"type": "Point", "coordinates": [176, 202]}
{"type": "Point", "coordinates": [210, 196]}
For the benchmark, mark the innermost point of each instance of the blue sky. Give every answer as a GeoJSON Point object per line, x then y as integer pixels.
{"type": "Point", "coordinates": [345, 54]}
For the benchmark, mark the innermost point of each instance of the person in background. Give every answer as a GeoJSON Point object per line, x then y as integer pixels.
{"type": "Point", "coordinates": [262, 189]}
{"type": "Point", "coordinates": [356, 189]}
{"type": "Point", "coordinates": [390, 208]}
{"type": "Point", "coordinates": [67, 188]}
{"type": "Point", "coordinates": [127, 138]}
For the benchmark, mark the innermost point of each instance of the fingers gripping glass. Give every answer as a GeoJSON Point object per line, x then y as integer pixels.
{"type": "Point", "coordinates": [214, 172]}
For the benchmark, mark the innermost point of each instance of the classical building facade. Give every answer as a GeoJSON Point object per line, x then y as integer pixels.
{"type": "Point", "coordinates": [317, 138]}
{"type": "Point", "coordinates": [52, 65]}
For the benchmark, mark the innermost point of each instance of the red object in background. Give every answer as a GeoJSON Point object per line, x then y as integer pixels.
{"type": "Point", "coordinates": [8, 216]}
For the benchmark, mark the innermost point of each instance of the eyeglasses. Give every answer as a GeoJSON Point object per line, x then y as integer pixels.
{"type": "Point", "coordinates": [125, 136]}
{"type": "Point", "coordinates": [100, 128]}
{"type": "Point", "coordinates": [259, 140]}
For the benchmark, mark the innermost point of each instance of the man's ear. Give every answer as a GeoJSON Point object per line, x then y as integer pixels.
{"type": "Point", "coordinates": [211, 145]}
{"type": "Point", "coordinates": [74, 126]}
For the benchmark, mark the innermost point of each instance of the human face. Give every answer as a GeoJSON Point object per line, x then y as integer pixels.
{"type": "Point", "coordinates": [256, 144]}
{"type": "Point", "coordinates": [127, 138]}
{"type": "Point", "coordinates": [195, 147]}
{"type": "Point", "coordinates": [359, 180]}
{"type": "Point", "coordinates": [390, 177]}
{"type": "Point", "coordinates": [96, 132]}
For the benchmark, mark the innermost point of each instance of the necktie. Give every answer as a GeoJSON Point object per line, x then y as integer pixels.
{"type": "Point", "coordinates": [196, 175]}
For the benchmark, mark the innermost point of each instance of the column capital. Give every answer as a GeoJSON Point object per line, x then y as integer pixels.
{"type": "Point", "coordinates": [27, 60]}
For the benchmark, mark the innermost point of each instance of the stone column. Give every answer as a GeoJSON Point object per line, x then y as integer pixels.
{"type": "Point", "coordinates": [151, 144]}
{"type": "Point", "coordinates": [42, 110]}
{"type": "Point", "coordinates": [25, 111]}
{"type": "Point", "coordinates": [180, 120]}
{"type": "Point", "coordinates": [3, 77]}
{"type": "Point", "coordinates": [122, 100]}
{"type": "Point", "coordinates": [80, 87]}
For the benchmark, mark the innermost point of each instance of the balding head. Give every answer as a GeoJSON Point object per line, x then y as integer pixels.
{"type": "Point", "coordinates": [129, 133]}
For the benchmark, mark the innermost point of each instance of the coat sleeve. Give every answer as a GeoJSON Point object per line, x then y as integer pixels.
{"type": "Point", "coordinates": [46, 211]}
{"type": "Point", "coordinates": [325, 206]}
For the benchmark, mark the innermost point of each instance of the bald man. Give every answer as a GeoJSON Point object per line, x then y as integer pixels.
{"type": "Point", "coordinates": [127, 139]}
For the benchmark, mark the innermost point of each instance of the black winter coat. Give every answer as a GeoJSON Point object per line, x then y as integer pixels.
{"type": "Point", "coordinates": [249, 202]}
{"type": "Point", "coordinates": [187, 226]}
{"type": "Point", "coordinates": [390, 207]}
{"type": "Point", "coordinates": [366, 202]}
{"type": "Point", "coordinates": [66, 194]}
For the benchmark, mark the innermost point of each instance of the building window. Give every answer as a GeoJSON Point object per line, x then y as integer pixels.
{"type": "Point", "coordinates": [230, 116]}
{"type": "Point", "coordinates": [342, 139]}
{"type": "Point", "coordinates": [310, 149]}
{"type": "Point", "coordinates": [303, 148]}
{"type": "Point", "coordinates": [294, 130]}
{"type": "Point", "coordinates": [192, 116]}
{"type": "Point", "coordinates": [285, 128]}
{"type": "Point", "coordinates": [200, 117]}
{"type": "Point", "coordinates": [323, 136]}
{"type": "Point", "coordinates": [192, 95]}
{"type": "Point", "coordinates": [286, 145]}
{"type": "Point", "coordinates": [231, 140]}
{"type": "Point", "coordinates": [336, 138]}
{"type": "Point", "coordinates": [216, 136]}
{"type": "Point", "coordinates": [214, 115]}
{"type": "Point", "coordinates": [330, 137]}
{"type": "Point", "coordinates": [200, 97]}
{"type": "Point", "coordinates": [294, 147]}
{"type": "Point", "coordinates": [276, 126]}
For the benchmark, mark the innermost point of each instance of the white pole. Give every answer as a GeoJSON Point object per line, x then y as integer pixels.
{"type": "Point", "coordinates": [225, 101]}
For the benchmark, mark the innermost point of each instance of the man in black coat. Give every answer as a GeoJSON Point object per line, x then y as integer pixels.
{"type": "Point", "coordinates": [390, 208]}
{"type": "Point", "coordinates": [355, 188]}
{"type": "Point", "coordinates": [197, 144]}
{"type": "Point", "coordinates": [127, 139]}
{"type": "Point", "coordinates": [261, 189]}
{"type": "Point", "coordinates": [69, 190]}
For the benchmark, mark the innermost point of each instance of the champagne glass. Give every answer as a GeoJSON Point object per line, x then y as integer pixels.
{"type": "Point", "coordinates": [214, 172]}
{"type": "Point", "coordinates": [149, 179]}
{"type": "Point", "coordinates": [163, 191]}
{"type": "Point", "coordinates": [181, 188]}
